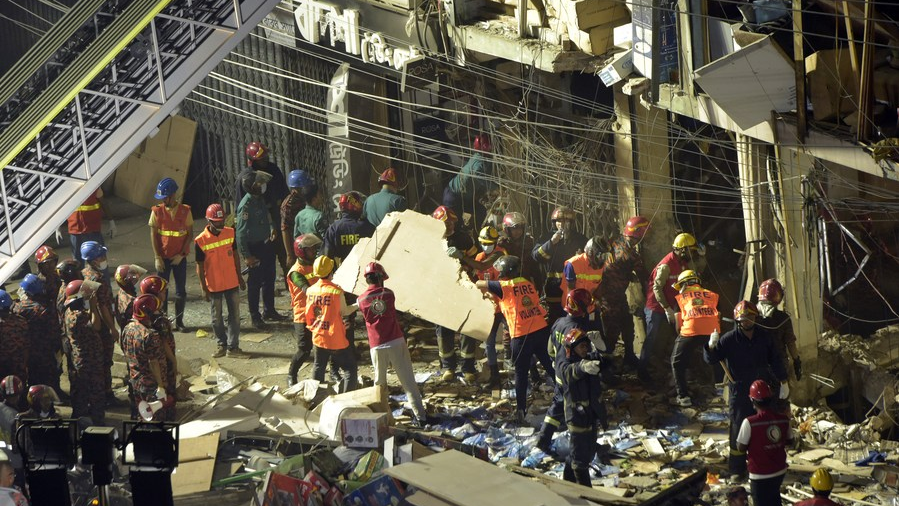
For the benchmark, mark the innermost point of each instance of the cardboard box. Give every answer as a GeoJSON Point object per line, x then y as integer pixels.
{"type": "Point", "coordinates": [282, 489]}
{"type": "Point", "coordinates": [363, 430]}
{"type": "Point", "coordinates": [597, 40]}
{"type": "Point", "coordinates": [617, 68]}
{"type": "Point", "coordinates": [383, 491]}
{"type": "Point", "coordinates": [586, 14]}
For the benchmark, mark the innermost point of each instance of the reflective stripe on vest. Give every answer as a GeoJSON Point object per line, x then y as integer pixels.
{"type": "Point", "coordinates": [699, 312]}
{"type": "Point", "coordinates": [87, 217]}
{"type": "Point", "coordinates": [92, 207]}
{"type": "Point", "coordinates": [323, 316]}
{"type": "Point", "coordinates": [586, 277]}
{"type": "Point", "coordinates": [218, 266]}
{"type": "Point", "coordinates": [520, 305]}
{"type": "Point", "coordinates": [217, 244]}
{"type": "Point", "coordinates": [172, 229]}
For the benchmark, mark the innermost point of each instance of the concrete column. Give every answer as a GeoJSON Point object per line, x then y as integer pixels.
{"type": "Point", "coordinates": [757, 222]}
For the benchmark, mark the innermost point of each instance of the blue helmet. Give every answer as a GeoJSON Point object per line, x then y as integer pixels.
{"type": "Point", "coordinates": [32, 285]}
{"type": "Point", "coordinates": [298, 179]}
{"type": "Point", "coordinates": [91, 250]}
{"type": "Point", "coordinates": [5, 301]}
{"type": "Point", "coordinates": [166, 188]}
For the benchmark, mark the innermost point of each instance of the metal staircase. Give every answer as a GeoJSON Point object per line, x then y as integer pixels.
{"type": "Point", "coordinates": [90, 91]}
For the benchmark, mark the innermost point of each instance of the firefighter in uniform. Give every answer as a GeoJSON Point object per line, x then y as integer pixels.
{"type": "Point", "coordinates": [483, 263]}
{"type": "Point", "coordinates": [43, 330]}
{"type": "Point", "coordinates": [778, 324]}
{"type": "Point", "coordinates": [377, 205]}
{"type": "Point", "coordinates": [95, 268]}
{"type": "Point", "coordinates": [86, 224]}
{"type": "Point", "coordinates": [562, 243]}
{"type": "Point", "coordinates": [218, 267]}
{"type": "Point", "coordinates": [585, 410]}
{"type": "Point", "coordinates": [516, 240]}
{"type": "Point", "coordinates": [156, 286]}
{"type": "Point", "coordinates": [14, 342]}
{"type": "Point", "coordinates": [87, 374]}
{"type": "Point", "coordinates": [274, 193]}
{"type": "Point", "coordinates": [697, 322]}
{"type": "Point", "coordinates": [764, 437]}
{"type": "Point", "coordinates": [311, 219]}
{"type": "Point", "coordinates": [127, 277]}
{"type": "Point", "coordinates": [68, 271]}
{"type": "Point", "coordinates": [171, 227]}
{"type": "Point", "coordinates": [822, 485]}
{"type": "Point", "coordinates": [143, 347]}
{"type": "Point", "coordinates": [46, 260]}
{"type": "Point", "coordinates": [520, 304]}
{"type": "Point", "coordinates": [11, 390]}
{"type": "Point", "coordinates": [460, 246]}
{"type": "Point", "coordinates": [584, 270]}
{"type": "Point", "coordinates": [299, 279]}
{"type": "Point", "coordinates": [624, 265]}
{"type": "Point", "coordinates": [297, 180]}
{"type": "Point", "coordinates": [747, 353]}
{"type": "Point", "coordinates": [326, 309]}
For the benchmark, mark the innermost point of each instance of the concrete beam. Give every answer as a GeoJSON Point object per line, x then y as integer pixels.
{"type": "Point", "coordinates": [540, 54]}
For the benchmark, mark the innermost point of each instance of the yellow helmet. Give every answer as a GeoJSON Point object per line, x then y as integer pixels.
{"type": "Point", "coordinates": [488, 235]}
{"type": "Point", "coordinates": [322, 267]}
{"type": "Point", "coordinates": [821, 481]}
{"type": "Point", "coordinates": [686, 278]}
{"type": "Point", "coordinates": [684, 241]}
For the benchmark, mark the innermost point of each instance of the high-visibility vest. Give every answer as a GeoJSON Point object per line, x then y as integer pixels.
{"type": "Point", "coordinates": [218, 266]}
{"type": "Point", "coordinates": [698, 311]}
{"type": "Point", "coordinates": [172, 230]}
{"type": "Point", "coordinates": [297, 297]}
{"type": "Point", "coordinates": [674, 269]}
{"type": "Point", "coordinates": [587, 277]}
{"type": "Point", "coordinates": [323, 316]}
{"type": "Point", "coordinates": [490, 274]}
{"type": "Point", "coordinates": [521, 307]}
{"type": "Point", "coordinates": [88, 218]}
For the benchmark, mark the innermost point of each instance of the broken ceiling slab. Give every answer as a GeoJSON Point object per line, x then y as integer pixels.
{"type": "Point", "coordinates": [752, 81]}
{"type": "Point", "coordinates": [427, 283]}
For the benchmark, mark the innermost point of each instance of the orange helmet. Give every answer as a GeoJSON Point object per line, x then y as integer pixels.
{"type": "Point", "coordinates": [215, 212]}
{"type": "Point", "coordinates": [388, 176]}
{"type": "Point", "coordinates": [45, 254]}
{"type": "Point", "coordinates": [152, 285]}
{"type": "Point", "coordinates": [636, 227]}
{"type": "Point", "coordinates": [771, 291]}
{"type": "Point", "coordinates": [444, 214]}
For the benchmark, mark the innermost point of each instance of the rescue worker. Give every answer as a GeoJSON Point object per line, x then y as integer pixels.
{"type": "Point", "coordinates": [465, 191]}
{"type": "Point", "coordinates": [516, 240]}
{"type": "Point", "coordinates": [311, 219]}
{"type": "Point", "coordinates": [520, 304]}
{"type": "Point", "coordinates": [88, 369]}
{"type": "Point", "coordinates": [218, 268]}
{"type": "Point", "coordinates": [95, 269]}
{"type": "Point", "coordinates": [623, 266]}
{"type": "Point", "coordinates": [43, 330]}
{"type": "Point", "coordinates": [299, 279]}
{"type": "Point", "coordinates": [68, 271]}
{"type": "Point", "coordinates": [344, 233]}
{"type": "Point", "coordinates": [584, 270]}
{"type": "Point", "coordinates": [660, 307]}
{"type": "Point", "coordinates": [14, 342]}
{"type": "Point", "coordinates": [377, 205]}
{"type": "Point", "coordinates": [11, 390]}
{"type": "Point", "coordinates": [42, 400]}
{"type": "Point", "coordinates": [778, 324]}
{"type": "Point", "coordinates": [46, 259]}
{"type": "Point", "coordinates": [459, 246]}
{"type": "Point", "coordinates": [10, 492]}
{"type": "Point", "coordinates": [385, 338]}
{"type": "Point", "coordinates": [822, 485]}
{"type": "Point", "coordinates": [127, 277]}
{"type": "Point", "coordinates": [562, 243]}
{"type": "Point", "coordinates": [275, 191]}
{"type": "Point", "coordinates": [171, 227]}
{"type": "Point", "coordinates": [156, 286]}
{"type": "Point", "coordinates": [143, 347]}
{"type": "Point", "coordinates": [697, 321]}
{"type": "Point", "coordinates": [584, 407]}
{"type": "Point", "coordinates": [290, 206]}
{"type": "Point", "coordinates": [255, 233]}
{"type": "Point", "coordinates": [490, 253]}
{"type": "Point", "coordinates": [764, 437]}
{"type": "Point", "coordinates": [747, 353]}
{"type": "Point", "coordinates": [577, 305]}
{"type": "Point", "coordinates": [326, 309]}
{"type": "Point", "coordinates": [86, 224]}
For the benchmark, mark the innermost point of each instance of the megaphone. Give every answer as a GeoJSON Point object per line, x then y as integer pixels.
{"type": "Point", "coordinates": [146, 410]}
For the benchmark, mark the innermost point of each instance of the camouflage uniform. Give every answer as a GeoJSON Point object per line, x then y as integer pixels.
{"type": "Point", "coordinates": [123, 307]}
{"type": "Point", "coordinates": [86, 375]}
{"type": "Point", "coordinates": [163, 326]}
{"type": "Point", "coordinates": [13, 346]}
{"type": "Point", "coordinates": [141, 346]}
{"type": "Point", "coordinates": [617, 318]}
{"type": "Point", "coordinates": [44, 340]}
{"type": "Point", "coordinates": [104, 299]}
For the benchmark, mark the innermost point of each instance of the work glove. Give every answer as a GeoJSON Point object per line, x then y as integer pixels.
{"type": "Point", "coordinates": [160, 264]}
{"type": "Point", "coordinates": [797, 367]}
{"type": "Point", "coordinates": [784, 390]}
{"type": "Point", "coordinates": [112, 229]}
{"type": "Point", "coordinates": [590, 366]}
{"type": "Point", "coordinates": [596, 338]}
{"type": "Point", "coordinates": [59, 236]}
{"type": "Point", "coordinates": [672, 316]}
{"type": "Point", "coordinates": [714, 338]}
{"type": "Point", "coordinates": [454, 252]}
{"type": "Point", "coordinates": [176, 260]}
{"type": "Point", "coordinates": [160, 394]}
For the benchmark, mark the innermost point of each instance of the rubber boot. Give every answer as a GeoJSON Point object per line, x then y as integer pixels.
{"type": "Point", "coordinates": [179, 314]}
{"type": "Point", "coordinates": [295, 363]}
{"type": "Point", "coordinates": [568, 473]}
{"type": "Point", "coordinates": [545, 441]}
{"type": "Point", "coordinates": [494, 380]}
{"type": "Point", "coordinates": [582, 476]}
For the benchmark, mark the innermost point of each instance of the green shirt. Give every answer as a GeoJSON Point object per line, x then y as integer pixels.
{"type": "Point", "coordinates": [253, 224]}
{"type": "Point", "coordinates": [309, 221]}
{"type": "Point", "coordinates": [379, 204]}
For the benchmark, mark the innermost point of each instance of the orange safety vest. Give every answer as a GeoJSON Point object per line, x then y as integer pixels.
{"type": "Point", "coordinates": [172, 230]}
{"type": "Point", "coordinates": [587, 277]}
{"type": "Point", "coordinates": [218, 266]}
{"type": "Point", "coordinates": [698, 312]}
{"type": "Point", "coordinates": [490, 274]}
{"type": "Point", "coordinates": [88, 218]}
{"type": "Point", "coordinates": [297, 298]}
{"type": "Point", "coordinates": [323, 317]}
{"type": "Point", "coordinates": [521, 307]}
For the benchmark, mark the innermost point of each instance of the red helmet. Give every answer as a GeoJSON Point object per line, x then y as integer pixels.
{"type": "Point", "coordinates": [744, 309]}
{"type": "Point", "coordinates": [145, 305]}
{"type": "Point", "coordinates": [255, 151]}
{"type": "Point", "coordinates": [562, 213]}
{"type": "Point", "coordinates": [153, 285]}
{"type": "Point", "coordinates": [636, 227]}
{"type": "Point", "coordinates": [45, 254]}
{"type": "Point", "coordinates": [127, 275]}
{"type": "Point", "coordinates": [374, 268]}
{"type": "Point", "coordinates": [578, 302]}
{"type": "Point", "coordinates": [514, 219]}
{"type": "Point", "coordinates": [11, 385]}
{"type": "Point", "coordinates": [573, 338]}
{"type": "Point", "coordinates": [351, 202]}
{"type": "Point", "coordinates": [215, 212]}
{"type": "Point", "coordinates": [482, 143]}
{"type": "Point", "coordinates": [306, 241]}
{"type": "Point", "coordinates": [760, 391]}
{"type": "Point", "coordinates": [388, 176]}
{"type": "Point", "coordinates": [37, 393]}
{"type": "Point", "coordinates": [771, 291]}
{"type": "Point", "coordinates": [444, 214]}
{"type": "Point", "coordinates": [80, 289]}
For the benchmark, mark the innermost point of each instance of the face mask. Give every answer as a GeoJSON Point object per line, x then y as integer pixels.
{"type": "Point", "coordinates": [766, 308]}
{"type": "Point", "coordinates": [488, 248]}
{"type": "Point", "coordinates": [103, 265]}
{"type": "Point", "coordinates": [214, 229]}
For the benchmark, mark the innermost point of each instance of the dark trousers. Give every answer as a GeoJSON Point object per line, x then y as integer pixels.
{"type": "Point", "coordinates": [179, 272]}
{"type": "Point", "coordinates": [740, 408]}
{"type": "Point", "coordinates": [261, 279]}
{"type": "Point", "coordinates": [523, 348]}
{"type": "Point", "coordinates": [766, 491]}
{"type": "Point", "coordinates": [304, 348]}
{"type": "Point", "coordinates": [446, 346]}
{"type": "Point", "coordinates": [685, 351]}
{"type": "Point", "coordinates": [583, 449]}
{"type": "Point", "coordinates": [108, 342]}
{"type": "Point", "coordinates": [656, 348]}
{"type": "Point", "coordinates": [619, 322]}
{"type": "Point", "coordinates": [554, 418]}
{"type": "Point", "coordinates": [344, 360]}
